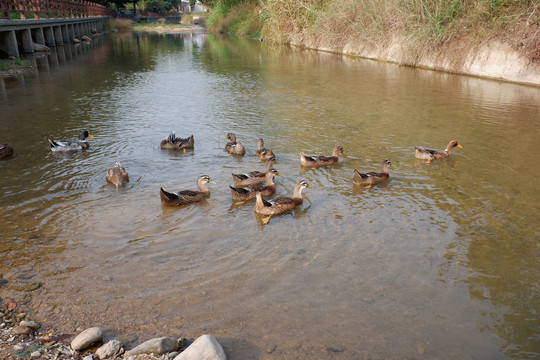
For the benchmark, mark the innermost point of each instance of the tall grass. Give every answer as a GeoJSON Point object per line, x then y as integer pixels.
{"type": "Point", "coordinates": [423, 24]}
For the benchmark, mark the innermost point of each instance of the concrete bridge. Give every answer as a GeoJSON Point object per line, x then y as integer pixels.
{"type": "Point", "coordinates": [18, 36]}
{"type": "Point", "coordinates": [51, 23]}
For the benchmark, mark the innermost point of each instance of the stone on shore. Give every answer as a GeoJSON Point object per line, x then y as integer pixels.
{"type": "Point", "coordinates": [86, 338]}
{"type": "Point", "coordinates": [110, 349]}
{"type": "Point", "coordinates": [75, 40]}
{"type": "Point", "coordinates": [205, 347]}
{"type": "Point", "coordinates": [158, 346]}
{"type": "Point", "coordinates": [30, 324]}
{"type": "Point", "coordinates": [21, 330]}
{"type": "Point", "coordinates": [85, 38]}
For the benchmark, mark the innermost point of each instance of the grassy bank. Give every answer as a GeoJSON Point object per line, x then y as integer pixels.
{"type": "Point", "coordinates": [424, 25]}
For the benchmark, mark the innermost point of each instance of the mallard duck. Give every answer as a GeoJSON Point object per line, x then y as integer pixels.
{"type": "Point", "coordinates": [321, 160]}
{"type": "Point", "coordinates": [244, 194]}
{"type": "Point", "coordinates": [280, 204]}
{"type": "Point", "coordinates": [254, 177]}
{"type": "Point", "coordinates": [429, 154]}
{"type": "Point", "coordinates": [117, 175]}
{"type": "Point", "coordinates": [71, 145]}
{"type": "Point", "coordinates": [234, 147]}
{"type": "Point", "coordinates": [187, 196]}
{"type": "Point", "coordinates": [174, 143]}
{"type": "Point", "coordinates": [261, 152]}
{"type": "Point", "coordinates": [372, 178]}
{"type": "Point", "coordinates": [6, 150]}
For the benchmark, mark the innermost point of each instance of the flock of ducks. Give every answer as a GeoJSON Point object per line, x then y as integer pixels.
{"type": "Point", "coordinates": [252, 185]}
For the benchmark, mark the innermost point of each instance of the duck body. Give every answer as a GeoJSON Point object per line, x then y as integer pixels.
{"type": "Point", "coordinates": [253, 177]}
{"type": "Point", "coordinates": [174, 143]}
{"type": "Point", "coordinates": [320, 160]}
{"type": "Point", "coordinates": [117, 175]}
{"type": "Point", "coordinates": [6, 150]}
{"type": "Point", "coordinates": [280, 204]}
{"type": "Point", "coordinates": [268, 189]}
{"type": "Point", "coordinates": [262, 153]}
{"type": "Point", "coordinates": [71, 145]}
{"type": "Point", "coordinates": [234, 147]}
{"type": "Point", "coordinates": [186, 196]}
{"type": "Point", "coordinates": [429, 154]}
{"type": "Point", "coordinates": [372, 178]}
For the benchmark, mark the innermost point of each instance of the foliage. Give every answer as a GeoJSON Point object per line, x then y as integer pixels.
{"type": "Point", "coordinates": [240, 17]}
{"type": "Point", "coordinates": [160, 6]}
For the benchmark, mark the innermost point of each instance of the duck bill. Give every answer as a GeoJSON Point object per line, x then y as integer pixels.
{"type": "Point", "coordinates": [459, 146]}
{"type": "Point", "coordinates": [211, 182]}
{"type": "Point", "coordinates": [90, 135]}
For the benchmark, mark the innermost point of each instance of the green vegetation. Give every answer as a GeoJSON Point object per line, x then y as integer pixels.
{"type": "Point", "coordinates": [424, 25]}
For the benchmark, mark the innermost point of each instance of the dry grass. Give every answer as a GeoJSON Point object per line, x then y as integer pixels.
{"type": "Point", "coordinates": [119, 24]}
{"type": "Point", "coordinates": [426, 25]}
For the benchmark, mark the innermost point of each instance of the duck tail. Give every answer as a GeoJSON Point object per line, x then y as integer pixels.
{"type": "Point", "coordinates": [52, 143]}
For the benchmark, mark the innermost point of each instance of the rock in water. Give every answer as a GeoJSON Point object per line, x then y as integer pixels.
{"type": "Point", "coordinates": [21, 330]}
{"type": "Point", "coordinates": [205, 347]}
{"type": "Point", "coordinates": [110, 349]}
{"type": "Point", "coordinates": [158, 346]}
{"type": "Point", "coordinates": [40, 48]}
{"type": "Point", "coordinates": [86, 338]}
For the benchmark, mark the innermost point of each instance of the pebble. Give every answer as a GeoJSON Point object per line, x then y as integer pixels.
{"type": "Point", "coordinates": [30, 324]}
{"type": "Point", "coordinates": [21, 330]}
{"type": "Point", "coordinates": [89, 357]}
{"type": "Point", "coordinates": [205, 347]}
{"type": "Point", "coordinates": [110, 349]}
{"type": "Point", "coordinates": [159, 346]}
{"type": "Point", "coordinates": [35, 354]}
{"type": "Point", "coordinates": [86, 338]}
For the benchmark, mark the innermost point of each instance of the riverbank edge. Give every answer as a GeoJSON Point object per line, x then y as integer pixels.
{"type": "Point", "coordinates": [495, 60]}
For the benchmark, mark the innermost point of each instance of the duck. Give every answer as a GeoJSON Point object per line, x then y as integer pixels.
{"type": "Point", "coordinates": [71, 145]}
{"type": "Point", "coordinates": [321, 160]}
{"type": "Point", "coordinates": [174, 143]}
{"type": "Point", "coordinates": [280, 204]}
{"type": "Point", "coordinates": [234, 147]}
{"type": "Point", "coordinates": [6, 150]}
{"type": "Point", "coordinates": [262, 153]}
{"type": "Point", "coordinates": [244, 194]}
{"type": "Point", "coordinates": [187, 196]}
{"type": "Point", "coordinates": [429, 154]}
{"type": "Point", "coordinates": [254, 177]}
{"type": "Point", "coordinates": [372, 178]}
{"type": "Point", "coordinates": [117, 175]}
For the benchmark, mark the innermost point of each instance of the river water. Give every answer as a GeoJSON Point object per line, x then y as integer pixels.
{"type": "Point", "coordinates": [440, 262]}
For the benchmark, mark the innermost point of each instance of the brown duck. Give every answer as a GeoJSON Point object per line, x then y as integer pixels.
{"type": "Point", "coordinates": [6, 150]}
{"type": "Point", "coordinates": [262, 153]}
{"type": "Point", "coordinates": [187, 196]}
{"type": "Point", "coordinates": [174, 143]}
{"type": "Point", "coordinates": [321, 160]}
{"type": "Point", "coordinates": [234, 147]}
{"type": "Point", "coordinates": [254, 177]}
{"type": "Point", "coordinates": [372, 178]}
{"type": "Point", "coordinates": [280, 204]}
{"type": "Point", "coordinates": [429, 154]}
{"type": "Point", "coordinates": [117, 175]}
{"type": "Point", "coordinates": [244, 194]}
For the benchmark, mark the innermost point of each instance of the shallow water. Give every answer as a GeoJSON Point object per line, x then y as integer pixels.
{"type": "Point", "coordinates": [439, 262]}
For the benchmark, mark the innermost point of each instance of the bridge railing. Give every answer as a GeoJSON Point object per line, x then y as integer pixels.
{"type": "Point", "coordinates": [52, 9]}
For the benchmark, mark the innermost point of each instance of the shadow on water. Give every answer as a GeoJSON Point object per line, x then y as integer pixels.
{"type": "Point", "coordinates": [440, 261]}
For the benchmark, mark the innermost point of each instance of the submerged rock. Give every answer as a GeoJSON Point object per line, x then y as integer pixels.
{"type": "Point", "coordinates": [159, 346]}
{"type": "Point", "coordinates": [86, 338]}
{"type": "Point", "coordinates": [30, 324]}
{"type": "Point", "coordinates": [205, 347]}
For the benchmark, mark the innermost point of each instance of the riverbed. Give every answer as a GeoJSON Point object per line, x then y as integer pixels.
{"type": "Point", "coordinates": [439, 262]}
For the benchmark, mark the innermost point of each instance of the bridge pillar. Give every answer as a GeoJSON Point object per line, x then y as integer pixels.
{"type": "Point", "coordinates": [58, 35]}
{"type": "Point", "coordinates": [8, 41]}
{"type": "Point", "coordinates": [49, 36]}
{"type": "Point", "coordinates": [37, 35]}
{"type": "Point", "coordinates": [65, 33]}
{"type": "Point", "coordinates": [71, 32]}
{"type": "Point", "coordinates": [26, 41]}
